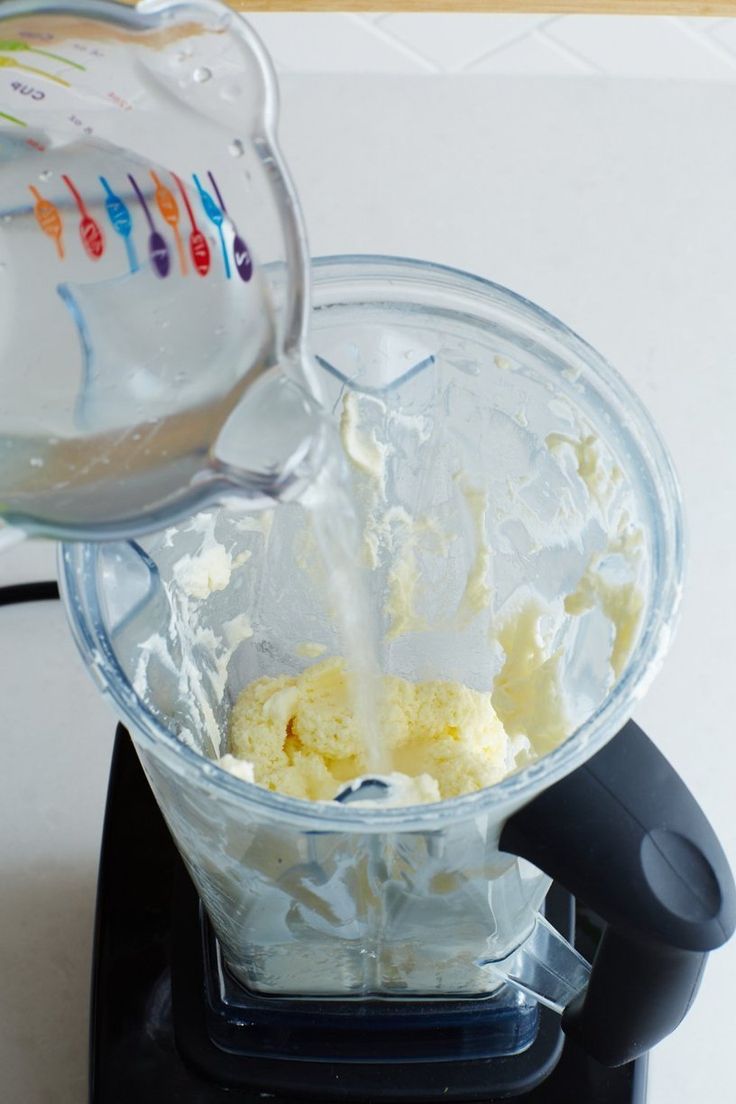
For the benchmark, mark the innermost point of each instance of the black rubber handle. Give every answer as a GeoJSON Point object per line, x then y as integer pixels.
{"type": "Point", "coordinates": [626, 837]}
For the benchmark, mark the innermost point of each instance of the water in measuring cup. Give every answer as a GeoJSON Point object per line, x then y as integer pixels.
{"type": "Point", "coordinates": [128, 336]}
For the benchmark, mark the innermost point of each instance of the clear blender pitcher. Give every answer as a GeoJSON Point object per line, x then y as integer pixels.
{"type": "Point", "coordinates": [142, 196]}
{"type": "Point", "coordinates": [468, 390]}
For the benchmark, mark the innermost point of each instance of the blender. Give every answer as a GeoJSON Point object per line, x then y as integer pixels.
{"type": "Point", "coordinates": [325, 951]}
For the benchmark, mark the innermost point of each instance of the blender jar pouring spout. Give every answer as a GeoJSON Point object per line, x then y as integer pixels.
{"type": "Point", "coordinates": [626, 837]}
{"type": "Point", "coordinates": [544, 966]}
{"type": "Point", "coordinates": [273, 444]}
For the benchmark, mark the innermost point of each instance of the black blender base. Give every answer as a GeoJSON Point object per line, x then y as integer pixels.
{"type": "Point", "coordinates": [150, 1042]}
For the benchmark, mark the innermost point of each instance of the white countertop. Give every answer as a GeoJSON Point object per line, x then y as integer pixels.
{"type": "Point", "coordinates": [610, 203]}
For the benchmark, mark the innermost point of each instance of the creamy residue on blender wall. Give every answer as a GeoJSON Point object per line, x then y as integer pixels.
{"type": "Point", "coordinates": [203, 574]}
{"type": "Point", "coordinates": [527, 692]}
{"type": "Point", "coordinates": [310, 649]}
{"type": "Point", "coordinates": [404, 575]}
{"type": "Point", "coordinates": [477, 593]}
{"type": "Point", "coordinates": [600, 479]}
{"type": "Point", "coordinates": [298, 734]}
{"type": "Point", "coordinates": [210, 568]}
{"type": "Point", "coordinates": [622, 602]}
{"type": "Point", "coordinates": [601, 584]}
{"type": "Point", "coordinates": [365, 451]}
{"type": "Point", "coordinates": [191, 652]}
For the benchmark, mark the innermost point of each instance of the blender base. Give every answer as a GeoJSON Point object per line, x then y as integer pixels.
{"type": "Point", "coordinates": [155, 1034]}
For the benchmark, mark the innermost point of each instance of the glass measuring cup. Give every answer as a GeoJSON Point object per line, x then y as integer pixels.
{"type": "Point", "coordinates": [142, 195]}
{"type": "Point", "coordinates": [433, 902]}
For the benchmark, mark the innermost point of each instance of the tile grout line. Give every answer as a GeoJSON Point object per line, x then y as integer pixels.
{"type": "Point", "coordinates": [569, 53]}
{"type": "Point", "coordinates": [385, 36]}
{"type": "Point", "coordinates": [707, 42]}
{"type": "Point", "coordinates": [583, 65]}
{"type": "Point", "coordinates": [712, 21]}
{"type": "Point", "coordinates": [542, 31]}
{"type": "Point", "coordinates": [514, 36]}
{"type": "Point", "coordinates": [510, 41]}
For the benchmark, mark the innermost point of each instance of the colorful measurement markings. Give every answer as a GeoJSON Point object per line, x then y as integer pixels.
{"type": "Point", "coordinates": [17, 45]}
{"type": "Point", "coordinates": [169, 209]}
{"type": "Point", "coordinates": [49, 219]}
{"type": "Point", "coordinates": [12, 119]}
{"type": "Point", "coordinates": [11, 63]}
{"type": "Point", "coordinates": [122, 223]}
{"type": "Point", "coordinates": [215, 215]}
{"type": "Point", "coordinates": [90, 231]}
{"type": "Point", "coordinates": [158, 250]}
{"type": "Point", "coordinates": [241, 253]}
{"type": "Point", "coordinates": [198, 247]}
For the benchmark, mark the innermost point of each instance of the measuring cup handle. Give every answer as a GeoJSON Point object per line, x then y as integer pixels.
{"type": "Point", "coordinates": [627, 838]}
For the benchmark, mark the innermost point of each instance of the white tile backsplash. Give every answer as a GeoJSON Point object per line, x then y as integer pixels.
{"type": "Point", "coordinates": [697, 48]}
{"type": "Point", "coordinates": [644, 46]}
{"type": "Point", "coordinates": [724, 33]}
{"type": "Point", "coordinates": [452, 41]}
{"type": "Point", "coordinates": [702, 23]}
{"type": "Point", "coordinates": [533, 55]}
{"type": "Point", "coordinates": [323, 42]}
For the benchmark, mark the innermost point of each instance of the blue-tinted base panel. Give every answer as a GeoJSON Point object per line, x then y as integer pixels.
{"type": "Point", "coordinates": [359, 1030]}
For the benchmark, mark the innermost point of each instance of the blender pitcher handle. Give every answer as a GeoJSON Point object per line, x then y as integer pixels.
{"type": "Point", "coordinates": [626, 837]}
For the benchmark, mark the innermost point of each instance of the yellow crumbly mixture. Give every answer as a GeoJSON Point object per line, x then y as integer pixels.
{"type": "Point", "coordinates": [300, 734]}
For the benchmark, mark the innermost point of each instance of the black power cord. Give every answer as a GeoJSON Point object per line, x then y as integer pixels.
{"type": "Point", "coordinates": [28, 592]}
